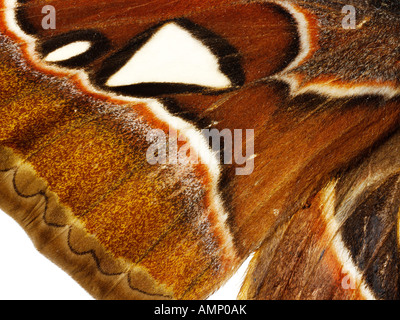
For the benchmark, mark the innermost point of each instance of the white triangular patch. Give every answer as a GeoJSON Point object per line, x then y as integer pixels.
{"type": "Point", "coordinates": [172, 55]}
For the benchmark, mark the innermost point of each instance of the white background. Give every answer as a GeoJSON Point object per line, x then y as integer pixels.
{"type": "Point", "coordinates": [25, 274]}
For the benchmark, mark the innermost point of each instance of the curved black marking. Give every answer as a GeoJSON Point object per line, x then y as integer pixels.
{"type": "Point", "coordinates": [40, 193]}
{"type": "Point", "coordinates": [99, 46]}
{"type": "Point", "coordinates": [21, 17]}
{"type": "Point", "coordinates": [294, 49]}
{"type": "Point", "coordinates": [370, 233]}
{"type": "Point", "coordinates": [97, 261]}
{"type": "Point", "coordinates": [228, 57]}
{"type": "Point", "coordinates": [144, 292]}
{"type": "Point", "coordinates": [91, 252]}
{"type": "Point", "coordinates": [176, 109]}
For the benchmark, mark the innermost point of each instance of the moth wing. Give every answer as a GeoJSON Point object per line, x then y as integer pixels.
{"type": "Point", "coordinates": [344, 244]}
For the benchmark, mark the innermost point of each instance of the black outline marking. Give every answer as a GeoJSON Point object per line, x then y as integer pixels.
{"type": "Point", "coordinates": [295, 47]}
{"type": "Point", "coordinates": [99, 46]}
{"type": "Point", "coordinates": [91, 251]}
{"type": "Point", "coordinates": [128, 274]}
{"type": "Point", "coordinates": [40, 193]}
{"type": "Point", "coordinates": [22, 20]}
{"type": "Point", "coordinates": [228, 57]}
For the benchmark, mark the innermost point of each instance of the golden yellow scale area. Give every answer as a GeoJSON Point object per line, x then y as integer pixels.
{"type": "Point", "coordinates": [87, 159]}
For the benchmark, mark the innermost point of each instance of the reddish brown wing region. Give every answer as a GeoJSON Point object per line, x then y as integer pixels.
{"type": "Point", "coordinates": [250, 28]}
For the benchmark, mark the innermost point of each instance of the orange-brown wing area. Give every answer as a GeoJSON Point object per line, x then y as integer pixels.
{"type": "Point", "coordinates": [299, 263]}
{"type": "Point", "coordinates": [129, 229]}
{"type": "Point", "coordinates": [88, 157]}
{"type": "Point", "coordinates": [299, 143]}
{"type": "Point", "coordinates": [75, 175]}
{"type": "Point", "coordinates": [343, 245]}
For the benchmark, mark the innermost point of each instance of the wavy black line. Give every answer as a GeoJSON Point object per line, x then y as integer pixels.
{"type": "Point", "coordinates": [91, 252]}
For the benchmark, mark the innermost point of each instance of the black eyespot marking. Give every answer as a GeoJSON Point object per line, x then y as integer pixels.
{"type": "Point", "coordinates": [99, 46]}
{"type": "Point", "coordinates": [229, 61]}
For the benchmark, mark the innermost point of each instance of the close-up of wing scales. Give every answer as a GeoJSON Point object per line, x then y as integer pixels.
{"type": "Point", "coordinates": [151, 148]}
